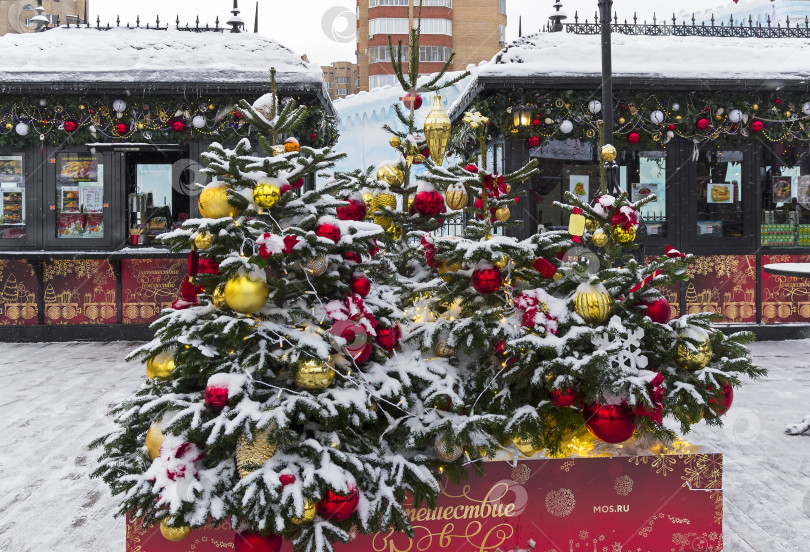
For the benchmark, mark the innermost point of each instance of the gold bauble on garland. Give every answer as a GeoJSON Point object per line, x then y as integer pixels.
{"type": "Point", "coordinates": [591, 225]}
{"type": "Point", "coordinates": [315, 374]}
{"type": "Point", "coordinates": [501, 262]}
{"type": "Point", "coordinates": [153, 441]}
{"type": "Point", "coordinates": [203, 240]}
{"type": "Point", "coordinates": [218, 298]}
{"type": "Point", "coordinates": [442, 349]}
{"type": "Point", "coordinates": [161, 366]}
{"type": "Point", "coordinates": [252, 454]}
{"type": "Point", "coordinates": [395, 141]}
{"type": "Point", "coordinates": [524, 446]}
{"type": "Point", "coordinates": [9, 126]}
{"type": "Point", "coordinates": [392, 175]}
{"type": "Point", "coordinates": [600, 238]}
{"type": "Point", "coordinates": [246, 294]}
{"type": "Point", "coordinates": [266, 194]}
{"type": "Point", "coordinates": [456, 197]}
{"type": "Point", "coordinates": [310, 509]}
{"type": "Point", "coordinates": [693, 357]}
{"type": "Point", "coordinates": [593, 303]}
{"type": "Point", "coordinates": [608, 153]}
{"type": "Point", "coordinates": [447, 453]}
{"type": "Point", "coordinates": [213, 203]}
{"type": "Point", "coordinates": [174, 534]}
{"type": "Point", "coordinates": [503, 213]}
{"type": "Point", "coordinates": [620, 235]}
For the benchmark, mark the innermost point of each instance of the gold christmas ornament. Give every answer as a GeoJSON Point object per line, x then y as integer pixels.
{"type": "Point", "coordinates": [503, 213]}
{"type": "Point", "coordinates": [153, 441]}
{"type": "Point", "coordinates": [620, 235]}
{"type": "Point", "coordinates": [266, 194]}
{"type": "Point", "coordinates": [278, 150]}
{"type": "Point", "coordinates": [310, 509]}
{"type": "Point", "coordinates": [437, 131]}
{"type": "Point", "coordinates": [9, 126]}
{"type": "Point", "coordinates": [755, 107]}
{"type": "Point", "coordinates": [622, 120]}
{"type": "Point", "coordinates": [442, 349]}
{"type": "Point", "coordinates": [600, 238]}
{"type": "Point", "coordinates": [384, 222]}
{"type": "Point", "coordinates": [593, 303]}
{"type": "Point", "coordinates": [291, 147]}
{"type": "Point", "coordinates": [447, 453]}
{"type": "Point", "coordinates": [395, 141]}
{"type": "Point", "coordinates": [694, 358]}
{"type": "Point", "coordinates": [444, 268]}
{"type": "Point", "coordinates": [395, 231]}
{"type": "Point", "coordinates": [214, 204]}
{"type": "Point", "coordinates": [524, 446]}
{"type": "Point", "coordinates": [252, 454]}
{"type": "Point", "coordinates": [391, 175]}
{"type": "Point", "coordinates": [379, 202]}
{"type": "Point", "coordinates": [608, 153]}
{"type": "Point", "coordinates": [140, 126]}
{"type": "Point", "coordinates": [161, 366]}
{"type": "Point", "coordinates": [218, 298]}
{"type": "Point", "coordinates": [368, 198]}
{"type": "Point", "coordinates": [315, 374]}
{"type": "Point", "coordinates": [246, 294]}
{"type": "Point", "coordinates": [174, 534]}
{"type": "Point", "coordinates": [591, 225]}
{"type": "Point", "coordinates": [501, 262]}
{"type": "Point", "coordinates": [203, 241]}
{"type": "Point", "coordinates": [314, 266]}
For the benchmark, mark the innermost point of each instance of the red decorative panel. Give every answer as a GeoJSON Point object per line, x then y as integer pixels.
{"type": "Point", "coordinates": [785, 298]}
{"type": "Point", "coordinates": [79, 292]}
{"type": "Point", "coordinates": [723, 284]}
{"type": "Point", "coordinates": [18, 289]}
{"type": "Point", "coordinates": [641, 503]}
{"type": "Point", "coordinates": [149, 286]}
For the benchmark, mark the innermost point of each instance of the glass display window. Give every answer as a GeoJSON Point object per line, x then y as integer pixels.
{"type": "Point", "coordinates": [785, 196]}
{"type": "Point", "coordinates": [642, 174]}
{"type": "Point", "coordinates": [13, 198]}
{"type": "Point", "coordinates": [79, 205]}
{"type": "Point", "coordinates": [718, 194]}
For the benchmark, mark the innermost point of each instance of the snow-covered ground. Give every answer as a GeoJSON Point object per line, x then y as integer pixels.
{"type": "Point", "coordinates": [55, 398]}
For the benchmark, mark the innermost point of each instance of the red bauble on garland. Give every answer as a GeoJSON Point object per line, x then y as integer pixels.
{"type": "Point", "coordinates": [658, 311]}
{"type": "Point", "coordinates": [216, 396]}
{"type": "Point", "coordinates": [121, 128]}
{"type": "Point", "coordinates": [361, 285]}
{"type": "Point", "coordinates": [534, 141]}
{"type": "Point", "coordinates": [633, 137]}
{"type": "Point", "coordinates": [611, 423]}
{"type": "Point", "coordinates": [339, 507]}
{"type": "Point", "coordinates": [722, 407]}
{"type": "Point", "coordinates": [328, 231]}
{"type": "Point", "coordinates": [757, 126]}
{"type": "Point", "coordinates": [703, 124]}
{"type": "Point", "coordinates": [487, 280]}
{"type": "Point", "coordinates": [415, 99]}
{"type": "Point", "coordinates": [428, 203]}
{"type": "Point", "coordinates": [70, 126]}
{"type": "Point", "coordinates": [247, 541]}
{"type": "Point", "coordinates": [179, 125]}
{"type": "Point", "coordinates": [388, 338]}
{"type": "Point", "coordinates": [536, 122]}
{"type": "Point", "coordinates": [297, 184]}
{"type": "Point", "coordinates": [563, 397]}
{"type": "Point", "coordinates": [355, 210]}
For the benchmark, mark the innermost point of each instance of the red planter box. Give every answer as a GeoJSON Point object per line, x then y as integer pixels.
{"type": "Point", "coordinates": [642, 503]}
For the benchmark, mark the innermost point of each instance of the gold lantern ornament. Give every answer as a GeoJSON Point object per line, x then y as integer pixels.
{"type": "Point", "coordinates": [446, 452]}
{"type": "Point", "coordinates": [315, 374]}
{"type": "Point", "coordinates": [524, 446]}
{"type": "Point", "coordinates": [246, 294]}
{"type": "Point", "coordinates": [154, 440]}
{"type": "Point", "coordinates": [213, 202]}
{"type": "Point", "coordinates": [392, 175]}
{"type": "Point", "coordinates": [203, 241]}
{"type": "Point", "coordinates": [314, 266]}
{"type": "Point", "coordinates": [503, 213]}
{"type": "Point", "coordinates": [600, 238]}
{"type": "Point", "coordinates": [310, 509]}
{"type": "Point", "coordinates": [395, 141]}
{"type": "Point", "coordinates": [161, 366]}
{"type": "Point", "coordinates": [593, 303]}
{"type": "Point", "coordinates": [174, 534]}
{"type": "Point", "coordinates": [218, 298]}
{"type": "Point", "coordinates": [266, 193]}
{"type": "Point", "coordinates": [620, 235]}
{"type": "Point", "coordinates": [608, 153]}
{"type": "Point", "coordinates": [437, 131]}
{"type": "Point", "coordinates": [251, 454]}
{"type": "Point", "coordinates": [456, 197]}
{"type": "Point", "coordinates": [690, 356]}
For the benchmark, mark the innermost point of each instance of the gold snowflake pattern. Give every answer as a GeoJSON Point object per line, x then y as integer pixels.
{"type": "Point", "coordinates": [566, 466]}
{"type": "Point", "coordinates": [647, 529]}
{"type": "Point", "coordinates": [637, 460]}
{"type": "Point", "coordinates": [703, 471]}
{"type": "Point", "coordinates": [521, 474]}
{"type": "Point", "coordinates": [560, 503]}
{"type": "Point", "coordinates": [617, 547]}
{"type": "Point", "coordinates": [662, 465]}
{"type": "Point", "coordinates": [583, 534]}
{"type": "Point", "coordinates": [623, 485]}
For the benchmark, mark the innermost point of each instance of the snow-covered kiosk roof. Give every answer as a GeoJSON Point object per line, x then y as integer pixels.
{"type": "Point", "coordinates": [571, 60]}
{"type": "Point", "coordinates": [73, 60]}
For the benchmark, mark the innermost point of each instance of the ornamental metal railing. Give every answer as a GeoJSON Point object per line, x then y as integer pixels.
{"type": "Point", "coordinates": [157, 26]}
{"type": "Point", "coordinates": [712, 28]}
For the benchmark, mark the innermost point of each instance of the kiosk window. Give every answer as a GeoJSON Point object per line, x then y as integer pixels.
{"type": "Point", "coordinates": [644, 173]}
{"type": "Point", "coordinates": [785, 197]}
{"type": "Point", "coordinates": [12, 196]}
{"type": "Point", "coordinates": [718, 195]}
{"type": "Point", "coordinates": [79, 196]}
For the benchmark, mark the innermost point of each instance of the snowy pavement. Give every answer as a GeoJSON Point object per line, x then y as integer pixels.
{"type": "Point", "coordinates": [56, 396]}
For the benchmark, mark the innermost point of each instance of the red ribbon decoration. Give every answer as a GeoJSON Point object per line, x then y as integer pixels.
{"type": "Point", "coordinates": [657, 392]}
{"type": "Point", "coordinates": [430, 251]}
{"type": "Point", "coordinates": [645, 281]}
{"type": "Point", "coordinates": [673, 253]}
{"type": "Point", "coordinates": [530, 306]}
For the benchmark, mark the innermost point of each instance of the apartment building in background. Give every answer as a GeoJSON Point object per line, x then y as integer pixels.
{"type": "Point", "coordinates": [16, 15]}
{"type": "Point", "coordinates": [474, 29]}
{"type": "Point", "coordinates": [341, 79]}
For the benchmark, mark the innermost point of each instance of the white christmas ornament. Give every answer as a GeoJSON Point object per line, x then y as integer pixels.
{"type": "Point", "coordinates": [676, 107]}
{"type": "Point", "coordinates": [119, 105]}
{"type": "Point", "coordinates": [22, 129]}
{"type": "Point", "coordinates": [657, 117]}
{"type": "Point", "coordinates": [594, 106]}
{"type": "Point", "coordinates": [806, 108]}
{"type": "Point", "coordinates": [735, 116]}
{"type": "Point", "coordinates": [198, 121]}
{"type": "Point", "coordinates": [566, 127]}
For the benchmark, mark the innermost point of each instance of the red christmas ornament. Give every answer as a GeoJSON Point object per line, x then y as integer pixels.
{"type": "Point", "coordinates": [658, 311]}
{"type": "Point", "coordinates": [189, 291]}
{"type": "Point", "coordinates": [487, 280]}
{"type": "Point", "coordinates": [777, 101]}
{"type": "Point", "coordinates": [671, 127]}
{"type": "Point", "coordinates": [757, 126]}
{"type": "Point", "coordinates": [286, 479]}
{"type": "Point", "coordinates": [633, 137]}
{"type": "Point", "coordinates": [358, 342]}
{"type": "Point", "coordinates": [536, 122]}
{"type": "Point", "coordinates": [121, 129]}
{"type": "Point", "coordinates": [179, 125]}
{"type": "Point", "coordinates": [328, 231]}
{"type": "Point", "coordinates": [534, 141]}
{"type": "Point", "coordinates": [479, 205]}
{"type": "Point", "coordinates": [388, 338]}
{"type": "Point", "coordinates": [409, 99]}
{"type": "Point", "coordinates": [352, 256]}
{"type": "Point", "coordinates": [612, 423]}
{"type": "Point", "coordinates": [623, 106]}
{"type": "Point", "coordinates": [703, 124]}
{"type": "Point", "coordinates": [247, 541]}
{"type": "Point", "coordinates": [313, 136]}
{"type": "Point", "coordinates": [208, 266]}
{"type": "Point", "coordinates": [428, 203]}
{"type": "Point", "coordinates": [284, 189]}
{"type": "Point", "coordinates": [625, 218]}
{"type": "Point", "coordinates": [216, 396]}
{"type": "Point", "coordinates": [545, 267]}
{"type": "Point", "coordinates": [339, 507]}
{"type": "Point", "coordinates": [728, 398]}
{"type": "Point", "coordinates": [237, 114]}
{"type": "Point", "coordinates": [355, 210]}
{"type": "Point", "coordinates": [361, 285]}
{"type": "Point", "coordinates": [471, 168]}
{"type": "Point", "coordinates": [70, 126]}
{"type": "Point", "coordinates": [297, 184]}
{"type": "Point", "coordinates": [563, 398]}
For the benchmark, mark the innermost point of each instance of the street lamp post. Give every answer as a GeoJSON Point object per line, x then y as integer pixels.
{"type": "Point", "coordinates": [605, 8]}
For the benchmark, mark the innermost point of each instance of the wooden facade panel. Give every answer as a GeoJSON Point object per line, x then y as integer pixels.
{"type": "Point", "coordinates": [785, 298]}
{"type": "Point", "coordinates": [149, 286]}
{"type": "Point", "coordinates": [18, 293]}
{"type": "Point", "coordinates": [725, 285]}
{"type": "Point", "coordinates": [79, 291]}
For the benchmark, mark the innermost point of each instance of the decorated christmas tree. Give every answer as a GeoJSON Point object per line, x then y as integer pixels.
{"type": "Point", "coordinates": [271, 401]}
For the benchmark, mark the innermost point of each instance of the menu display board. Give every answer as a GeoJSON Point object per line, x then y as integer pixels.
{"type": "Point", "coordinates": [12, 197]}
{"type": "Point", "coordinates": [80, 196]}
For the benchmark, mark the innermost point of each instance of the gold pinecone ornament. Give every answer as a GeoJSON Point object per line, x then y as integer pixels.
{"type": "Point", "coordinates": [251, 454]}
{"type": "Point", "coordinates": [315, 374]}
{"type": "Point", "coordinates": [173, 534]}
{"type": "Point", "coordinates": [379, 202]}
{"type": "Point", "coordinates": [593, 303]}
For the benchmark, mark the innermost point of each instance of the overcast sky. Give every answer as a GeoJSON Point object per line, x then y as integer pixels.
{"type": "Point", "coordinates": [324, 29]}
